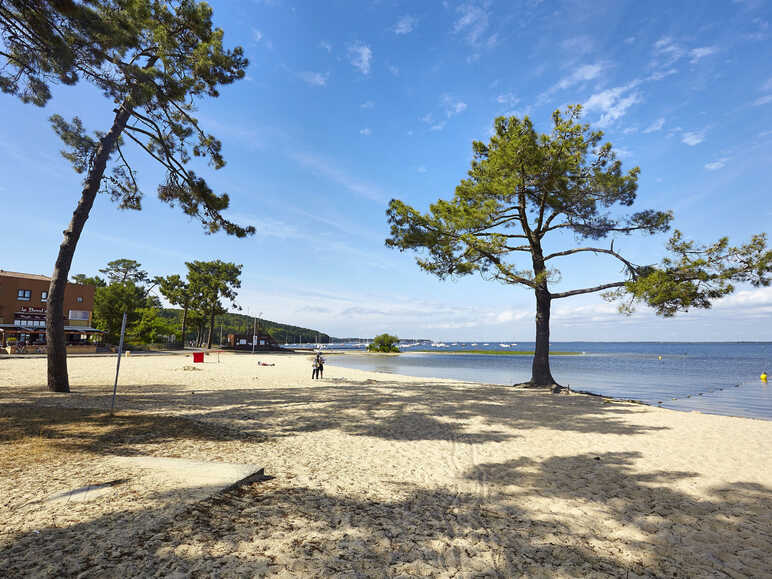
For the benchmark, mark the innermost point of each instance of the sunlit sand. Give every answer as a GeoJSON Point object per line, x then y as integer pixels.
{"type": "Point", "coordinates": [374, 474]}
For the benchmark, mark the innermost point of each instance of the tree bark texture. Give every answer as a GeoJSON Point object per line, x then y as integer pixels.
{"type": "Point", "coordinates": [58, 380]}
{"type": "Point", "coordinates": [184, 323]}
{"type": "Point", "coordinates": [540, 370]}
{"type": "Point", "coordinates": [211, 331]}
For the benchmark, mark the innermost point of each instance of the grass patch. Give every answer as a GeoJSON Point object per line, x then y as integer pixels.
{"type": "Point", "coordinates": [501, 352]}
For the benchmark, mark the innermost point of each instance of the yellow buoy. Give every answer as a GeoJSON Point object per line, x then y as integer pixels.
{"type": "Point", "coordinates": [763, 376]}
{"type": "Point", "coordinates": [659, 357]}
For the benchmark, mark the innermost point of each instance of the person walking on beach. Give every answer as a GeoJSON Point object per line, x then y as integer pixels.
{"type": "Point", "coordinates": [318, 366]}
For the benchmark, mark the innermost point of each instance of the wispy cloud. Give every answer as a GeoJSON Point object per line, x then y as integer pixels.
{"type": "Point", "coordinates": [763, 100]}
{"type": "Point", "coordinates": [394, 70]}
{"type": "Point", "coordinates": [507, 99]}
{"type": "Point", "coordinates": [667, 51]}
{"type": "Point", "coordinates": [655, 126]}
{"type": "Point", "coordinates": [422, 169]}
{"type": "Point", "coordinates": [717, 164]}
{"type": "Point", "coordinates": [472, 22]}
{"type": "Point", "coordinates": [698, 54]}
{"type": "Point", "coordinates": [578, 46]}
{"type": "Point", "coordinates": [405, 25]}
{"type": "Point", "coordinates": [613, 103]}
{"type": "Point", "coordinates": [257, 35]}
{"type": "Point", "coordinates": [584, 73]}
{"type": "Point", "coordinates": [314, 78]}
{"type": "Point", "coordinates": [366, 132]}
{"type": "Point", "coordinates": [360, 56]}
{"type": "Point", "coordinates": [367, 105]}
{"type": "Point", "coordinates": [328, 170]}
{"type": "Point", "coordinates": [452, 105]}
{"type": "Point", "coordinates": [325, 45]}
{"type": "Point", "coordinates": [693, 138]}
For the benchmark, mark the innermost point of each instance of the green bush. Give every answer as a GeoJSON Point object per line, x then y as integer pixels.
{"type": "Point", "coordinates": [384, 343]}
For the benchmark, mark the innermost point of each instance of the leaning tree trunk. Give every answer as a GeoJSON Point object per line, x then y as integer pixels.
{"type": "Point", "coordinates": [540, 370]}
{"type": "Point", "coordinates": [58, 380]}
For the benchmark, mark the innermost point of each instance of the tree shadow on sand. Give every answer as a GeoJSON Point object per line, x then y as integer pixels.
{"type": "Point", "coordinates": [392, 411]}
{"type": "Point", "coordinates": [625, 522]}
{"type": "Point", "coordinates": [94, 430]}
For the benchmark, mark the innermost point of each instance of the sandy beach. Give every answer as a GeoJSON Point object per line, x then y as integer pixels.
{"type": "Point", "coordinates": [372, 475]}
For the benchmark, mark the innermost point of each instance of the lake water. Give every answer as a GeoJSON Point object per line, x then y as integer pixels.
{"type": "Point", "coordinates": [717, 378]}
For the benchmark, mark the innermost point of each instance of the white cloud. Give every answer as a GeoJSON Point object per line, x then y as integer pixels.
{"type": "Point", "coordinates": [630, 40]}
{"type": "Point", "coordinates": [667, 51]}
{"type": "Point", "coordinates": [422, 169]}
{"type": "Point", "coordinates": [764, 100]}
{"type": "Point", "coordinates": [367, 105]}
{"type": "Point", "coordinates": [472, 22]}
{"type": "Point", "coordinates": [578, 45]}
{"type": "Point", "coordinates": [717, 164]}
{"type": "Point", "coordinates": [655, 126]}
{"type": "Point", "coordinates": [328, 170]}
{"type": "Point", "coordinates": [360, 57]}
{"type": "Point", "coordinates": [394, 70]}
{"type": "Point", "coordinates": [257, 35]}
{"type": "Point", "coordinates": [613, 103]}
{"type": "Point", "coordinates": [698, 54]}
{"type": "Point", "coordinates": [405, 25]}
{"type": "Point", "coordinates": [507, 99]}
{"type": "Point", "coordinates": [693, 138]}
{"type": "Point", "coordinates": [366, 132]}
{"type": "Point", "coordinates": [325, 45]}
{"type": "Point", "coordinates": [314, 78]}
{"type": "Point", "coordinates": [452, 106]}
{"type": "Point", "coordinates": [427, 118]}
{"type": "Point", "coordinates": [767, 86]}
{"type": "Point", "coordinates": [438, 126]}
{"type": "Point", "coordinates": [584, 73]}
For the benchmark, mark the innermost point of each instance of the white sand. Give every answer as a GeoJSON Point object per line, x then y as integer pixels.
{"type": "Point", "coordinates": [386, 475]}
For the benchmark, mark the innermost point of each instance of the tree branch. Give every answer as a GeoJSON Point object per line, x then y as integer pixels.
{"type": "Point", "coordinates": [611, 251]}
{"type": "Point", "coordinates": [587, 290]}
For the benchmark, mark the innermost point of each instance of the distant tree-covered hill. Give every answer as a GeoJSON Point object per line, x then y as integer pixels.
{"type": "Point", "coordinates": [242, 324]}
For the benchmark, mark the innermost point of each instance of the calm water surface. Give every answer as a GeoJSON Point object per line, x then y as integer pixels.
{"type": "Point", "coordinates": [717, 378]}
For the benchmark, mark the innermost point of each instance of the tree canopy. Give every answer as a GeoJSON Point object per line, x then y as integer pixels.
{"type": "Point", "coordinates": [209, 283]}
{"type": "Point", "coordinates": [384, 343]}
{"type": "Point", "coordinates": [524, 187]}
{"type": "Point", "coordinates": [152, 61]}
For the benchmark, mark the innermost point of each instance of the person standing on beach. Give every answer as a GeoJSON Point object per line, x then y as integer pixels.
{"type": "Point", "coordinates": [319, 363]}
{"type": "Point", "coordinates": [315, 368]}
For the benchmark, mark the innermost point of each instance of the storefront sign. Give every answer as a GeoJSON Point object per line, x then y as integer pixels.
{"type": "Point", "coordinates": [31, 310]}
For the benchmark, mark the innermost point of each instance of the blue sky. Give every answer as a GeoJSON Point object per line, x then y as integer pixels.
{"type": "Point", "coordinates": [349, 104]}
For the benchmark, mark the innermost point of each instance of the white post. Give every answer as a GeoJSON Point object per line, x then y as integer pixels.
{"type": "Point", "coordinates": [118, 364]}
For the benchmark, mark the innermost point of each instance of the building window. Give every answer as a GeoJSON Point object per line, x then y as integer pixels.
{"type": "Point", "coordinates": [79, 299]}
{"type": "Point", "coordinates": [23, 295]}
{"type": "Point", "coordinates": [79, 315]}
{"type": "Point", "coordinates": [43, 296]}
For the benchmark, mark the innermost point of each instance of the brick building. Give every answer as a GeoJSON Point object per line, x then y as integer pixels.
{"type": "Point", "coordinates": [23, 301]}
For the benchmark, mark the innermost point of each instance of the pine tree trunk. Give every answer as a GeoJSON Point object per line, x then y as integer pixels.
{"type": "Point", "coordinates": [58, 380]}
{"type": "Point", "coordinates": [211, 330]}
{"type": "Point", "coordinates": [184, 323]}
{"type": "Point", "coordinates": [540, 370]}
